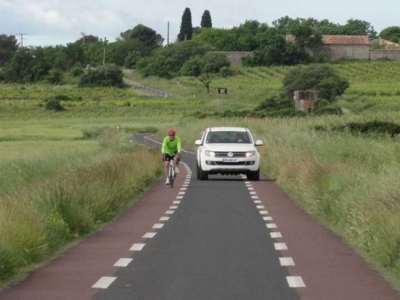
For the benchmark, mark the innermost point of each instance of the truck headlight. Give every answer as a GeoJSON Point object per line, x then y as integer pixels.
{"type": "Point", "coordinates": [210, 153]}
{"type": "Point", "coordinates": [251, 153]}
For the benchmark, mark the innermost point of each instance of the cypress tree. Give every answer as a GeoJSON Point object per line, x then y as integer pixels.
{"type": "Point", "coordinates": [186, 26]}
{"type": "Point", "coordinates": [206, 20]}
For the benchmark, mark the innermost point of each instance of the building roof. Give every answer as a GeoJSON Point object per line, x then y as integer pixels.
{"type": "Point", "coordinates": [339, 39]}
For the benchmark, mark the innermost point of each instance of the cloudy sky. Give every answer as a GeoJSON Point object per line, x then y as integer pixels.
{"type": "Point", "coordinates": [58, 22]}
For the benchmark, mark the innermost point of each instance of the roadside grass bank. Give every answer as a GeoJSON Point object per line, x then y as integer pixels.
{"type": "Point", "coordinates": [50, 202]}
{"type": "Point", "coordinates": [347, 182]}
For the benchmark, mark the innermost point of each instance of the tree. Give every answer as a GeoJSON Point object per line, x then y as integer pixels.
{"type": "Point", "coordinates": [103, 76]}
{"type": "Point", "coordinates": [206, 20]}
{"type": "Point", "coordinates": [186, 30]}
{"type": "Point", "coordinates": [149, 37]}
{"type": "Point", "coordinates": [320, 77]}
{"type": "Point", "coordinates": [20, 67]}
{"type": "Point", "coordinates": [8, 46]}
{"type": "Point", "coordinates": [167, 61]}
{"type": "Point", "coordinates": [358, 27]}
{"type": "Point", "coordinates": [206, 79]}
{"type": "Point", "coordinates": [391, 33]}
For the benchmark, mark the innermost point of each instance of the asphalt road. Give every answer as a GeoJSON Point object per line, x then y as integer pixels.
{"type": "Point", "coordinates": [225, 238]}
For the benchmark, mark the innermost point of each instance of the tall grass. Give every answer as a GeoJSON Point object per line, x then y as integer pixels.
{"type": "Point", "coordinates": [45, 207]}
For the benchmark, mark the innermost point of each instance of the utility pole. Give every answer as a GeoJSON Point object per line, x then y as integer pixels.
{"type": "Point", "coordinates": [168, 35]}
{"type": "Point", "coordinates": [22, 39]}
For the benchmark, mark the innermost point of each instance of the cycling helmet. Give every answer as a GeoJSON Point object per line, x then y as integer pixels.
{"type": "Point", "coordinates": [171, 132]}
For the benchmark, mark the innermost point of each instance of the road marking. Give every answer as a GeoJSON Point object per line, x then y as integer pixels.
{"type": "Point", "coordinates": [179, 197]}
{"type": "Point", "coordinates": [272, 225]}
{"type": "Point", "coordinates": [169, 212]}
{"type": "Point", "coordinates": [250, 188]}
{"type": "Point", "coordinates": [280, 246]}
{"type": "Point", "coordinates": [137, 247]}
{"type": "Point", "coordinates": [149, 235]}
{"type": "Point", "coordinates": [286, 261]}
{"type": "Point", "coordinates": [123, 262]}
{"type": "Point", "coordinates": [295, 281]}
{"type": "Point", "coordinates": [158, 226]}
{"type": "Point", "coordinates": [253, 193]}
{"type": "Point", "coordinates": [173, 207]}
{"type": "Point", "coordinates": [164, 218]}
{"type": "Point", "coordinates": [254, 197]}
{"type": "Point", "coordinates": [257, 201]}
{"type": "Point", "coordinates": [267, 218]}
{"type": "Point", "coordinates": [103, 282]}
{"type": "Point", "coordinates": [276, 235]}
{"type": "Point", "coordinates": [176, 202]}
{"type": "Point", "coordinates": [183, 189]}
{"type": "Point", "coordinates": [263, 212]}
{"type": "Point", "coordinates": [260, 206]}
{"type": "Point", "coordinates": [181, 193]}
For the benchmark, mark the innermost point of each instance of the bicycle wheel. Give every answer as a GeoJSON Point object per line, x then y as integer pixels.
{"type": "Point", "coordinates": [171, 175]}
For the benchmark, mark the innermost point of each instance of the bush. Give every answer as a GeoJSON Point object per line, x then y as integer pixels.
{"type": "Point", "coordinates": [54, 105]}
{"type": "Point", "coordinates": [328, 110]}
{"type": "Point", "coordinates": [226, 72]}
{"type": "Point", "coordinates": [104, 76]}
{"type": "Point", "coordinates": [320, 77]}
{"type": "Point", "coordinates": [373, 127]}
{"type": "Point", "coordinates": [55, 76]}
{"type": "Point", "coordinates": [77, 71]}
{"type": "Point", "coordinates": [62, 97]}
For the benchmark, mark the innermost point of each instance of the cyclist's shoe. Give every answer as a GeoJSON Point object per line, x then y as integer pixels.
{"type": "Point", "coordinates": [167, 181]}
{"type": "Point", "coordinates": [176, 170]}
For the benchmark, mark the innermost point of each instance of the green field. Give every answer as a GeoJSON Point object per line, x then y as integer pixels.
{"type": "Point", "coordinates": [347, 181]}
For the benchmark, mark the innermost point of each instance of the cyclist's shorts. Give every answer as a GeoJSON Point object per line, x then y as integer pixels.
{"type": "Point", "coordinates": [167, 157]}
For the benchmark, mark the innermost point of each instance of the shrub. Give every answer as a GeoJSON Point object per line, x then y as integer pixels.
{"type": "Point", "coordinates": [54, 105]}
{"type": "Point", "coordinates": [55, 76]}
{"type": "Point", "coordinates": [104, 76]}
{"type": "Point", "coordinates": [77, 71]}
{"type": "Point", "coordinates": [320, 77]}
{"type": "Point", "coordinates": [62, 97]}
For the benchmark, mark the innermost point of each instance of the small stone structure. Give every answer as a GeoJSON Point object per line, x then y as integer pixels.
{"type": "Point", "coordinates": [304, 99]}
{"type": "Point", "coordinates": [236, 57]}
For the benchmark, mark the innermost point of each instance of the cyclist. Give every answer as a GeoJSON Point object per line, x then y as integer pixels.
{"type": "Point", "coordinates": [171, 145]}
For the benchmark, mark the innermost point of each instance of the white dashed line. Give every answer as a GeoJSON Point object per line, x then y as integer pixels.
{"type": "Point", "coordinates": [276, 235]}
{"type": "Point", "coordinates": [272, 225]}
{"type": "Point", "coordinates": [149, 235]}
{"type": "Point", "coordinates": [104, 282]}
{"type": "Point", "coordinates": [169, 212]}
{"type": "Point", "coordinates": [176, 202]}
{"type": "Point", "coordinates": [137, 247]}
{"type": "Point", "coordinates": [260, 206]}
{"type": "Point", "coordinates": [158, 226]}
{"type": "Point", "coordinates": [280, 246]}
{"type": "Point", "coordinates": [164, 218]}
{"type": "Point", "coordinates": [254, 197]}
{"type": "Point", "coordinates": [257, 201]}
{"type": "Point", "coordinates": [267, 218]}
{"type": "Point", "coordinates": [286, 261]}
{"type": "Point", "coordinates": [263, 212]}
{"type": "Point", "coordinates": [295, 281]}
{"type": "Point", "coordinates": [123, 262]}
{"type": "Point", "coordinates": [173, 207]}
{"type": "Point", "coordinates": [179, 197]}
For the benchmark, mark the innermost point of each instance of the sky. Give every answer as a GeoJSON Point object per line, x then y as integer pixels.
{"type": "Point", "coordinates": [58, 22]}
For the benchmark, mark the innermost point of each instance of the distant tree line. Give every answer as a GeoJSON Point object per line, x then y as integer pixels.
{"type": "Point", "coordinates": [194, 53]}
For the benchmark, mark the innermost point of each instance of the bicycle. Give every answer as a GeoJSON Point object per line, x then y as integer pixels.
{"type": "Point", "coordinates": [172, 173]}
